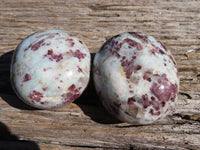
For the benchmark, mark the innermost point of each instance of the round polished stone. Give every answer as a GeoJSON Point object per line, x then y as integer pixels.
{"type": "Point", "coordinates": [136, 78]}
{"type": "Point", "coordinates": [50, 69]}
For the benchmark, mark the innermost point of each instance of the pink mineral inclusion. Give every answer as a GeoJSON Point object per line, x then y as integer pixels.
{"type": "Point", "coordinates": [133, 43]}
{"type": "Point", "coordinates": [50, 54]}
{"type": "Point", "coordinates": [35, 96]}
{"type": "Point", "coordinates": [79, 69]}
{"type": "Point", "coordinates": [78, 54]}
{"type": "Point", "coordinates": [27, 77]}
{"type": "Point", "coordinates": [37, 45]}
{"type": "Point", "coordinates": [71, 41]}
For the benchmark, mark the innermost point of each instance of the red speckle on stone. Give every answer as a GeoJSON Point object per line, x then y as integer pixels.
{"type": "Point", "coordinates": [112, 43]}
{"type": "Point", "coordinates": [44, 69]}
{"type": "Point", "coordinates": [134, 57]}
{"type": "Point", "coordinates": [138, 67]}
{"type": "Point", "coordinates": [37, 45]}
{"type": "Point", "coordinates": [133, 43]}
{"type": "Point", "coordinates": [164, 76]}
{"type": "Point", "coordinates": [72, 95]}
{"type": "Point", "coordinates": [157, 107]}
{"type": "Point", "coordinates": [76, 90]}
{"type": "Point", "coordinates": [58, 87]}
{"type": "Point", "coordinates": [35, 96]}
{"type": "Point", "coordinates": [145, 101]}
{"type": "Point", "coordinates": [158, 49]}
{"type": "Point", "coordinates": [80, 42]}
{"type": "Point", "coordinates": [165, 64]}
{"type": "Point", "coordinates": [72, 87]}
{"type": "Point", "coordinates": [153, 98]}
{"type": "Point", "coordinates": [117, 54]}
{"type": "Point", "coordinates": [79, 69]}
{"type": "Point", "coordinates": [72, 44]}
{"type": "Point", "coordinates": [172, 59]}
{"type": "Point", "coordinates": [146, 76]}
{"type": "Point", "coordinates": [61, 81]}
{"type": "Point", "coordinates": [50, 51]}
{"type": "Point", "coordinates": [161, 51]}
{"type": "Point", "coordinates": [154, 113]}
{"type": "Point", "coordinates": [131, 91]}
{"type": "Point", "coordinates": [173, 98]}
{"type": "Point", "coordinates": [45, 88]}
{"type": "Point", "coordinates": [159, 80]}
{"type": "Point", "coordinates": [53, 56]}
{"type": "Point", "coordinates": [71, 41]}
{"type": "Point", "coordinates": [69, 97]}
{"type": "Point", "coordinates": [155, 104]}
{"type": "Point", "coordinates": [158, 91]}
{"type": "Point", "coordinates": [115, 46]}
{"type": "Point", "coordinates": [154, 51]}
{"type": "Point", "coordinates": [162, 45]}
{"type": "Point", "coordinates": [44, 103]}
{"type": "Point", "coordinates": [139, 36]}
{"type": "Point", "coordinates": [27, 77]}
{"type": "Point", "coordinates": [27, 47]}
{"type": "Point", "coordinates": [128, 67]}
{"type": "Point", "coordinates": [131, 101]}
{"type": "Point", "coordinates": [114, 52]}
{"type": "Point", "coordinates": [79, 54]}
{"type": "Point", "coordinates": [164, 90]}
{"type": "Point", "coordinates": [58, 57]}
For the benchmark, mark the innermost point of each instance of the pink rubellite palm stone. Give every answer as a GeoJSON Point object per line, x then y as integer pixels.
{"type": "Point", "coordinates": [136, 78]}
{"type": "Point", "coordinates": [50, 69]}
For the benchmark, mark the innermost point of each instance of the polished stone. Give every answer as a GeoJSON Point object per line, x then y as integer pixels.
{"type": "Point", "coordinates": [136, 78]}
{"type": "Point", "coordinates": [50, 69]}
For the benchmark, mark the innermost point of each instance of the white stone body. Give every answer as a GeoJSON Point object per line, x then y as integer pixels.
{"type": "Point", "coordinates": [50, 69]}
{"type": "Point", "coordinates": [136, 78]}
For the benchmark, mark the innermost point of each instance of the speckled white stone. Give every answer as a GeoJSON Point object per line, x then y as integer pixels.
{"type": "Point", "coordinates": [136, 78]}
{"type": "Point", "coordinates": [50, 69]}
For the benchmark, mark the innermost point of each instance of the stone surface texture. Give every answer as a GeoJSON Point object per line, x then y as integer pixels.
{"type": "Point", "coordinates": [50, 69]}
{"type": "Point", "coordinates": [136, 78]}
